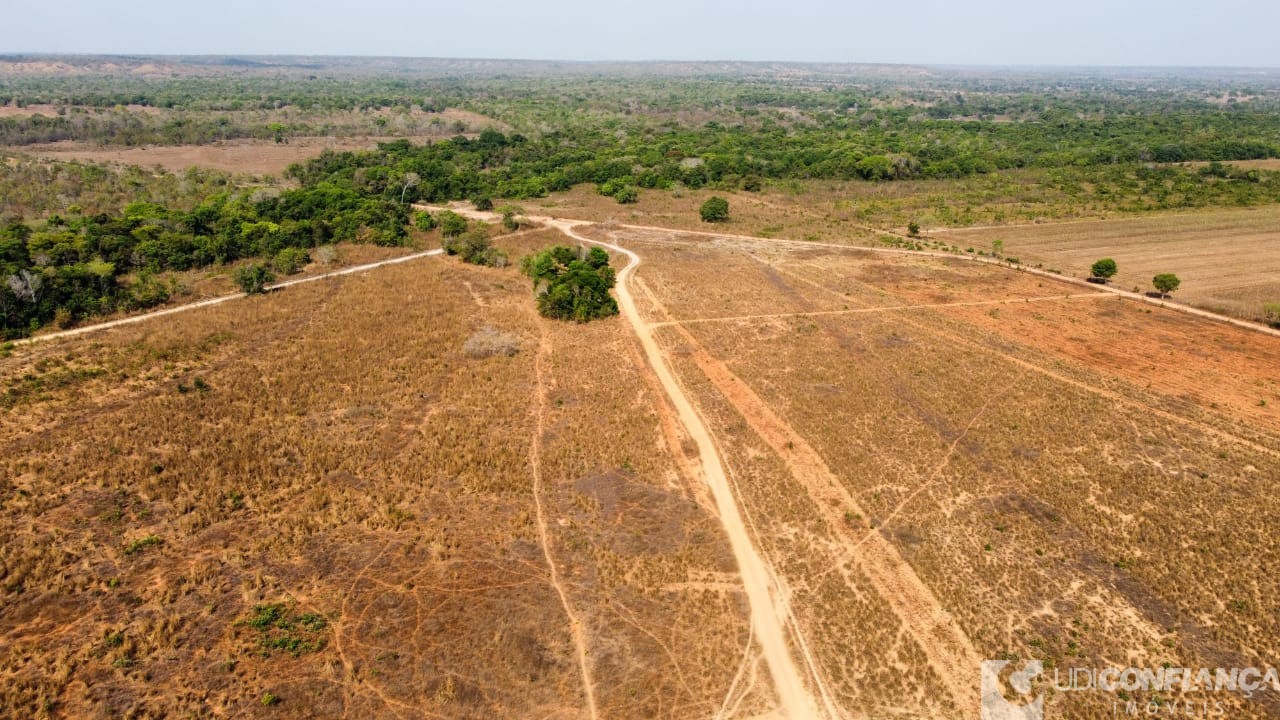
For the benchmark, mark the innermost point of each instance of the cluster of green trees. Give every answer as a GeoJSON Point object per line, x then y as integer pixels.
{"type": "Point", "coordinates": [69, 268]}
{"type": "Point", "coordinates": [572, 283]}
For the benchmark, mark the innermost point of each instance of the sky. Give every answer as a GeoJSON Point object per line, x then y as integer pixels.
{"type": "Point", "coordinates": [959, 32]}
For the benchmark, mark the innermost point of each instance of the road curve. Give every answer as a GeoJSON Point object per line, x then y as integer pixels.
{"type": "Point", "coordinates": [768, 618]}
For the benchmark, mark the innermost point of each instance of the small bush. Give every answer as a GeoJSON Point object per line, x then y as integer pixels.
{"type": "Point", "coordinates": [138, 545]}
{"type": "Point", "coordinates": [490, 342]}
{"type": "Point", "coordinates": [424, 221]}
{"type": "Point", "coordinates": [1271, 312]}
{"type": "Point", "coordinates": [290, 260]}
{"type": "Point", "coordinates": [715, 209]}
{"type": "Point", "coordinates": [475, 248]}
{"type": "Point", "coordinates": [326, 255]}
{"type": "Point", "coordinates": [451, 223]}
{"type": "Point", "coordinates": [252, 279]}
{"type": "Point", "coordinates": [482, 203]}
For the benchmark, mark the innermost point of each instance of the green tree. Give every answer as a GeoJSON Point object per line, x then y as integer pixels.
{"type": "Point", "coordinates": [424, 221]}
{"type": "Point", "coordinates": [913, 229]}
{"type": "Point", "coordinates": [1166, 283]}
{"type": "Point", "coordinates": [572, 284]}
{"type": "Point", "coordinates": [252, 279]}
{"type": "Point", "coordinates": [715, 209]}
{"type": "Point", "coordinates": [1104, 268]}
{"type": "Point", "coordinates": [451, 223]}
{"type": "Point", "coordinates": [290, 260]}
{"type": "Point", "coordinates": [482, 203]}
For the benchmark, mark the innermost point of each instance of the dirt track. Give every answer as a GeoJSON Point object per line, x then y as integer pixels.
{"type": "Point", "coordinates": [769, 613]}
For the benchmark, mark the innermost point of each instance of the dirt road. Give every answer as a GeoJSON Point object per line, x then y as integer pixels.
{"type": "Point", "coordinates": [769, 616]}
{"type": "Point", "coordinates": [219, 300]}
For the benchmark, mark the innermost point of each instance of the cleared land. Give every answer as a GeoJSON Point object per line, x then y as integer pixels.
{"type": "Point", "coordinates": [1228, 260]}
{"type": "Point", "coordinates": [319, 496]}
{"type": "Point", "coordinates": [938, 484]}
{"type": "Point", "coordinates": [323, 497]}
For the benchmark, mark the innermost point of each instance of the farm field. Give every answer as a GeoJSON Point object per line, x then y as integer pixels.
{"type": "Point", "coordinates": [1228, 260]}
{"type": "Point", "coordinates": [954, 481]}
{"type": "Point", "coordinates": [317, 502]}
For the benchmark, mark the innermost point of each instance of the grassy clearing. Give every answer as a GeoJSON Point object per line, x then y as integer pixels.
{"type": "Point", "coordinates": [349, 495]}
{"type": "Point", "coordinates": [1064, 493]}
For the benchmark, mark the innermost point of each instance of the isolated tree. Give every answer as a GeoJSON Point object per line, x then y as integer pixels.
{"type": "Point", "coordinates": [913, 229]}
{"type": "Point", "coordinates": [1104, 268]}
{"type": "Point", "coordinates": [572, 284]}
{"type": "Point", "coordinates": [1166, 283]}
{"type": "Point", "coordinates": [715, 209]}
{"type": "Point", "coordinates": [252, 279]}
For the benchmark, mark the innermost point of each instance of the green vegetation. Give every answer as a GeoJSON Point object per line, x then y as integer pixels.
{"type": "Point", "coordinates": [280, 628]}
{"type": "Point", "coordinates": [1271, 313]}
{"type": "Point", "coordinates": [1166, 283]}
{"type": "Point", "coordinates": [252, 279]}
{"type": "Point", "coordinates": [85, 265]}
{"type": "Point", "coordinates": [572, 284]}
{"type": "Point", "coordinates": [133, 547]}
{"type": "Point", "coordinates": [1105, 268]}
{"type": "Point", "coordinates": [475, 247]}
{"type": "Point", "coordinates": [78, 240]}
{"type": "Point", "coordinates": [715, 209]}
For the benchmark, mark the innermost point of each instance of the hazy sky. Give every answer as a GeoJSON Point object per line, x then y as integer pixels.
{"type": "Point", "coordinates": [1075, 32]}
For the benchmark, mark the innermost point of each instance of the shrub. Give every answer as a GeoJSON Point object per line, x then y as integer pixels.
{"type": "Point", "coordinates": [482, 203]}
{"type": "Point", "coordinates": [490, 342]}
{"type": "Point", "coordinates": [574, 283]}
{"type": "Point", "coordinates": [913, 229]}
{"type": "Point", "coordinates": [326, 255]}
{"type": "Point", "coordinates": [475, 248]}
{"type": "Point", "coordinates": [1271, 312]}
{"type": "Point", "coordinates": [252, 279]}
{"type": "Point", "coordinates": [290, 260]}
{"type": "Point", "coordinates": [627, 195]}
{"type": "Point", "coordinates": [424, 221]}
{"type": "Point", "coordinates": [715, 209]}
{"type": "Point", "coordinates": [451, 223]}
{"type": "Point", "coordinates": [136, 546]}
{"type": "Point", "coordinates": [1104, 268]}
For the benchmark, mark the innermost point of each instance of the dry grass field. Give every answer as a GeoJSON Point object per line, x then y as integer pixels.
{"type": "Point", "coordinates": [404, 494]}
{"type": "Point", "coordinates": [237, 156]}
{"type": "Point", "coordinates": [324, 502]}
{"type": "Point", "coordinates": [946, 461]}
{"type": "Point", "coordinates": [1228, 260]}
